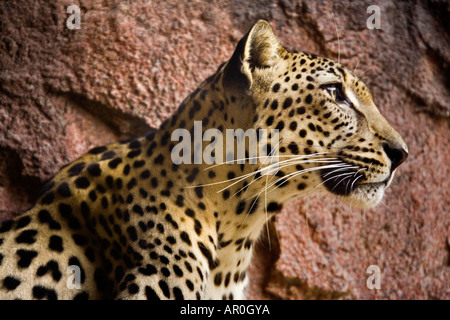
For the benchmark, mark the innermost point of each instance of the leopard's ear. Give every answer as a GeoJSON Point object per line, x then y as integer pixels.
{"type": "Point", "coordinates": [259, 48]}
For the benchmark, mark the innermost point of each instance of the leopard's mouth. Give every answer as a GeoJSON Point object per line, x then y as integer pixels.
{"type": "Point", "coordinates": [378, 184]}
{"type": "Point", "coordinates": [341, 181]}
{"type": "Point", "coordinates": [350, 183]}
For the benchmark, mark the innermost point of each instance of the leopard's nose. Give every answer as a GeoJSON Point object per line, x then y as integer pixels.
{"type": "Point", "coordinates": [397, 154]}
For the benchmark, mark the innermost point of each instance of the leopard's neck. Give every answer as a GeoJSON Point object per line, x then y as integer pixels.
{"type": "Point", "coordinates": [225, 200]}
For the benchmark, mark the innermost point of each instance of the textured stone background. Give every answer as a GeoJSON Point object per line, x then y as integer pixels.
{"type": "Point", "coordinates": [132, 62]}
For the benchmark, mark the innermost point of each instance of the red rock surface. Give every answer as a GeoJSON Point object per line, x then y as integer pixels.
{"type": "Point", "coordinates": [129, 66]}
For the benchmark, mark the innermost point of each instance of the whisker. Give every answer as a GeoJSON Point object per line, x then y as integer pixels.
{"type": "Point", "coordinates": [370, 165]}
{"type": "Point", "coordinates": [337, 33]}
{"type": "Point", "coordinates": [340, 175]}
{"type": "Point", "coordinates": [267, 217]}
{"type": "Point", "coordinates": [327, 174]}
{"type": "Point", "coordinates": [293, 174]}
{"type": "Point", "coordinates": [357, 64]}
{"type": "Point", "coordinates": [253, 179]}
{"type": "Point", "coordinates": [264, 157]}
{"type": "Point", "coordinates": [351, 187]}
{"type": "Point", "coordinates": [362, 169]}
{"type": "Point", "coordinates": [276, 168]}
{"type": "Point", "coordinates": [296, 173]}
{"type": "Point", "coordinates": [357, 178]}
{"type": "Point", "coordinates": [346, 186]}
{"type": "Point", "coordinates": [368, 69]}
{"type": "Point", "coordinates": [243, 159]}
{"type": "Point", "coordinates": [323, 182]}
{"type": "Point", "coordinates": [270, 169]}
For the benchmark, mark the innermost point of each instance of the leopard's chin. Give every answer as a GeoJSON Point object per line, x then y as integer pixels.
{"type": "Point", "coordinates": [363, 195]}
{"type": "Point", "coordinates": [369, 195]}
{"type": "Point", "coordinates": [366, 196]}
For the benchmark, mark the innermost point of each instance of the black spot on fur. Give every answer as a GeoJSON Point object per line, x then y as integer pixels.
{"type": "Point", "coordinates": [66, 212]}
{"type": "Point", "coordinates": [97, 150]}
{"type": "Point", "coordinates": [273, 207]}
{"type": "Point", "coordinates": [131, 184]}
{"type": "Point", "coordinates": [287, 103]}
{"type": "Point", "coordinates": [308, 99]}
{"type": "Point", "coordinates": [27, 237]}
{"type": "Point", "coordinates": [64, 190]}
{"type": "Point", "coordinates": [45, 217]}
{"type": "Point", "coordinates": [133, 288]}
{"type": "Point", "coordinates": [82, 183]}
{"type": "Point", "coordinates": [145, 174]}
{"type": "Point", "coordinates": [199, 191]}
{"type": "Point", "coordinates": [23, 222]}
{"type": "Point", "coordinates": [56, 243]}
{"type": "Point", "coordinates": [302, 133]}
{"type": "Point", "coordinates": [293, 126]}
{"type": "Point", "coordinates": [151, 294]}
{"type": "Point", "coordinates": [25, 257]}
{"type": "Point", "coordinates": [79, 239]}
{"type": "Point", "coordinates": [134, 153]}
{"type": "Point", "coordinates": [165, 288]}
{"type": "Point", "coordinates": [6, 226]}
{"type": "Point", "coordinates": [40, 292]}
{"type": "Point", "coordinates": [165, 272]}
{"type": "Point", "coordinates": [51, 266]}
{"type": "Point", "coordinates": [148, 270]}
{"type": "Point", "coordinates": [276, 87]}
{"type": "Point", "coordinates": [132, 233]}
{"type": "Point", "coordinates": [113, 164]}
{"type": "Point", "coordinates": [180, 201]}
{"type": "Point", "coordinates": [274, 105]}
{"type": "Point", "coordinates": [138, 209]}
{"type": "Point", "coordinates": [197, 227]}
{"type": "Point", "coordinates": [76, 169]}
{"type": "Point", "coordinates": [178, 293]}
{"type": "Point", "coordinates": [11, 283]}
{"type": "Point", "coordinates": [192, 176]}
{"type": "Point", "coordinates": [134, 144]}
{"type": "Point", "coordinates": [301, 110]}
{"type": "Point", "coordinates": [185, 237]}
{"type": "Point", "coordinates": [189, 212]}
{"type": "Point", "coordinates": [138, 164]}
{"type": "Point", "coordinates": [226, 194]}
{"type": "Point", "coordinates": [48, 198]}
{"type": "Point", "coordinates": [104, 202]}
{"type": "Point", "coordinates": [208, 255]}
{"type": "Point", "coordinates": [81, 296]}
{"type": "Point", "coordinates": [108, 155]}
{"type": "Point", "coordinates": [240, 207]}
{"type": "Point", "coordinates": [190, 285]}
{"type": "Point", "coordinates": [126, 169]}
{"type": "Point", "coordinates": [94, 170]}
{"type": "Point", "coordinates": [293, 148]}
{"type": "Point", "coordinates": [159, 159]}
{"type": "Point", "coordinates": [218, 279]}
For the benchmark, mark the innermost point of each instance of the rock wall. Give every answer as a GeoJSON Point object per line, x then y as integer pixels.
{"type": "Point", "coordinates": [64, 91]}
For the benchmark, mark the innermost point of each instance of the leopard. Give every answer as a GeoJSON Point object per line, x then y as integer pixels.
{"type": "Point", "coordinates": [130, 221]}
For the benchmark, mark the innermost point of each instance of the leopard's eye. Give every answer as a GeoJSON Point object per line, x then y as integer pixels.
{"type": "Point", "coordinates": [332, 91]}
{"type": "Point", "coordinates": [336, 93]}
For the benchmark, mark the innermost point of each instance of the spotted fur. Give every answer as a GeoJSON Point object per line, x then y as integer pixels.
{"type": "Point", "coordinates": [140, 227]}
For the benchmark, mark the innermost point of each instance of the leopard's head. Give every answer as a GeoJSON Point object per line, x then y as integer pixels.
{"type": "Point", "coordinates": [331, 135]}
